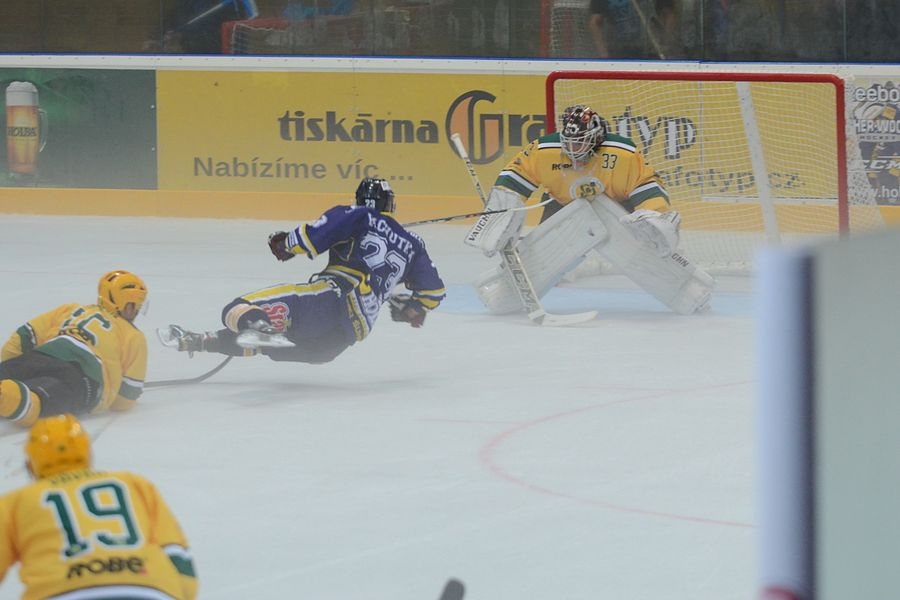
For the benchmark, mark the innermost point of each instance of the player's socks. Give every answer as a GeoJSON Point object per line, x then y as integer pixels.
{"type": "Point", "coordinates": [18, 404]}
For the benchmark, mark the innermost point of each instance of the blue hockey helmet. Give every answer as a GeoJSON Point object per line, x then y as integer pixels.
{"type": "Point", "coordinates": [375, 193]}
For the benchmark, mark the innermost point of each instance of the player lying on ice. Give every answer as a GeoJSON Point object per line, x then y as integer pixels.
{"type": "Point", "coordinates": [369, 255]}
{"type": "Point", "coordinates": [606, 198]}
{"type": "Point", "coordinates": [77, 358]}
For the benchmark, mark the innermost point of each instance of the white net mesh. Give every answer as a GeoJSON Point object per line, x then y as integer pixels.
{"type": "Point", "coordinates": [569, 35]}
{"type": "Point", "coordinates": [745, 163]}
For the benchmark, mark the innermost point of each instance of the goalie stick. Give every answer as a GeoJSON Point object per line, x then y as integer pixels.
{"type": "Point", "coordinates": [513, 262]}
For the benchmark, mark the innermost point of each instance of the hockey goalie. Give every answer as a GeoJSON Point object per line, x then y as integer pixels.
{"type": "Point", "coordinates": [605, 198]}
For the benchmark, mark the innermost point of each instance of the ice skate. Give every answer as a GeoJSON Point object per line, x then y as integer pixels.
{"type": "Point", "coordinates": [261, 334]}
{"type": "Point", "coordinates": [181, 339]}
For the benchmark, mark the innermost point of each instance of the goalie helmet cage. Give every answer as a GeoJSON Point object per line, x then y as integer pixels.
{"type": "Point", "coordinates": [748, 159]}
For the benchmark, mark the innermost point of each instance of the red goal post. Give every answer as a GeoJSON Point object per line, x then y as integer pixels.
{"type": "Point", "coordinates": [749, 159]}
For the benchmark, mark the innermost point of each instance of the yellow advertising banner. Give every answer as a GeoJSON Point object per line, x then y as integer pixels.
{"type": "Point", "coordinates": [321, 132]}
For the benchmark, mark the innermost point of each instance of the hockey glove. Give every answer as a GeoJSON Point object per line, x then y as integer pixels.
{"type": "Point", "coordinates": [278, 244]}
{"type": "Point", "coordinates": [658, 231]}
{"type": "Point", "coordinates": [492, 232]}
{"type": "Point", "coordinates": [405, 309]}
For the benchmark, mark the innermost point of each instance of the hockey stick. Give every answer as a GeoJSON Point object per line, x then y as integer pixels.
{"type": "Point", "coordinates": [454, 590]}
{"type": "Point", "coordinates": [648, 28]}
{"type": "Point", "coordinates": [249, 8]}
{"type": "Point", "coordinates": [477, 214]}
{"type": "Point", "coordinates": [187, 380]}
{"type": "Point", "coordinates": [513, 262]}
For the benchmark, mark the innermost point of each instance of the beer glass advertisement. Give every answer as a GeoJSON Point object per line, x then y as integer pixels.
{"type": "Point", "coordinates": [79, 128]}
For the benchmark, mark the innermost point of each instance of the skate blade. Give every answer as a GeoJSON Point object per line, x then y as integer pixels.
{"type": "Point", "coordinates": [256, 339]}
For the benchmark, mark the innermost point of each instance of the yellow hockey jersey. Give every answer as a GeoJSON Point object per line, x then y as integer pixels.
{"type": "Point", "coordinates": [81, 532]}
{"type": "Point", "coordinates": [110, 349]}
{"type": "Point", "coordinates": [618, 169]}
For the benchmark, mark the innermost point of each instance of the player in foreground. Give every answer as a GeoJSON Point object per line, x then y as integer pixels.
{"type": "Point", "coordinates": [606, 198]}
{"type": "Point", "coordinates": [79, 533]}
{"type": "Point", "coordinates": [369, 255]}
{"type": "Point", "coordinates": [77, 358]}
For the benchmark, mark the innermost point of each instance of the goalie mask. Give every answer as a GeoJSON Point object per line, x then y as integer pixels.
{"type": "Point", "coordinates": [581, 133]}
{"type": "Point", "coordinates": [375, 193]}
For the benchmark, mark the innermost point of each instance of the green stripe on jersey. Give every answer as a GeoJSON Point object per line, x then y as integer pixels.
{"type": "Point", "coordinates": [66, 349]}
{"type": "Point", "coordinates": [184, 565]}
{"type": "Point", "coordinates": [26, 337]}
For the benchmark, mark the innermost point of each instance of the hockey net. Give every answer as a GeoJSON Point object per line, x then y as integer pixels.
{"type": "Point", "coordinates": [323, 35]}
{"type": "Point", "coordinates": [403, 30]}
{"type": "Point", "coordinates": [564, 29]}
{"type": "Point", "coordinates": [748, 159]}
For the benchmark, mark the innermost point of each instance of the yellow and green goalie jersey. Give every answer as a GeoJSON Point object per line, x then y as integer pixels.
{"type": "Point", "coordinates": [86, 534]}
{"type": "Point", "coordinates": [620, 168]}
{"type": "Point", "coordinates": [110, 350]}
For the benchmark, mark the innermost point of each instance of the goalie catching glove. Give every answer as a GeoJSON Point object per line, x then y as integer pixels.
{"type": "Point", "coordinates": [492, 232]}
{"type": "Point", "coordinates": [406, 309]}
{"type": "Point", "coordinates": [278, 244]}
{"type": "Point", "coordinates": [658, 231]}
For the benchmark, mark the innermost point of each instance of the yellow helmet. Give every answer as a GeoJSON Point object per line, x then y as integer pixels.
{"type": "Point", "coordinates": [119, 288]}
{"type": "Point", "coordinates": [57, 444]}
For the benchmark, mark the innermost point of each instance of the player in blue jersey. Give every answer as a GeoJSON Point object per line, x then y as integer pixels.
{"type": "Point", "coordinates": [369, 256]}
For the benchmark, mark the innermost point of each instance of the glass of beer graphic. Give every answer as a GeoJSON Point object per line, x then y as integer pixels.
{"type": "Point", "coordinates": [26, 128]}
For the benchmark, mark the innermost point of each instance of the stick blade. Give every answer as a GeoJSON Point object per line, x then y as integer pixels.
{"type": "Point", "coordinates": [551, 320]}
{"type": "Point", "coordinates": [454, 590]}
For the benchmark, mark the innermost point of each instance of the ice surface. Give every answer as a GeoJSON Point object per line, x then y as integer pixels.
{"type": "Point", "coordinates": [611, 460]}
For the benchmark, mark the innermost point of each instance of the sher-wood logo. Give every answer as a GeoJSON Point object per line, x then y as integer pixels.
{"type": "Point", "coordinates": [876, 113]}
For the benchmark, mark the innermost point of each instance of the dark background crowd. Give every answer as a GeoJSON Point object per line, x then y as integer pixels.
{"type": "Point", "coordinates": [848, 31]}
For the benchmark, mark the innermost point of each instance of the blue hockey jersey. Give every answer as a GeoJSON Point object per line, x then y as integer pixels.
{"type": "Point", "coordinates": [370, 252]}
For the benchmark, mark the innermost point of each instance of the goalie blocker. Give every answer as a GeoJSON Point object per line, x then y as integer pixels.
{"type": "Point", "coordinates": [560, 243]}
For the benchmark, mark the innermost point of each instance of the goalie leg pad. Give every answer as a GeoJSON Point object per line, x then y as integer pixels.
{"type": "Point", "coordinates": [548, 252]}
{"type": "Point", "coordinates": [673, 280]}
{"type": "Point", "coordinates": [491, 232]}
